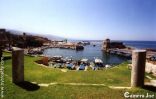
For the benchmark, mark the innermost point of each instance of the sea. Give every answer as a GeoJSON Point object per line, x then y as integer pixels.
{"type": "Point", "coordinates": [90, 52]}
{"type": "Point", "coordinates": [141, 44]}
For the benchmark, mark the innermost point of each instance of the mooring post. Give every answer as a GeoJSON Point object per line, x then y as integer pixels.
{"type": "Point", "coordinates": [17, 65]}
{"type": "Point", "coordinates": [138, 68]}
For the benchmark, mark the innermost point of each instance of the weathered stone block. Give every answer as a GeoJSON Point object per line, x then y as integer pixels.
{"type": "Point", "coordinates": [138, 68]}
{"type": "Point", "coordinates": [17, 65]}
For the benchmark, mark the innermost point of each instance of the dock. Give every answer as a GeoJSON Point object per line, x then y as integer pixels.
{"type": "Point", "coordinates": [121, 52]}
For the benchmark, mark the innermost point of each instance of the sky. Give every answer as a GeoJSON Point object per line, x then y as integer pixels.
{"type": "Point", "coordinates": [82, 19]}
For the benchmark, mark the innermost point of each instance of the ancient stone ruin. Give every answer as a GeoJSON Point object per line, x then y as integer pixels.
{"type": "Point", "coordinates": [17, 65]}
{"type": "Point", "coordinates": [107, 44]}
{"type": "Point", "coordinates": [138, 68]}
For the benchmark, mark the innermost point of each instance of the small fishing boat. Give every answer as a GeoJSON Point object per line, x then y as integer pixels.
{"type": "Point", "coordinates": [84, 63]}
{"type": "Point", "coordinates": [84, 60]}
{"type": "Point", "coordinates": [153, 58]}
{"type": "Point", "coordinates": [58, 59]}
{"type": "Point", "coordinates": [98, 62]}
{"type": "Point", "coordinates": [58, 65]}
{"type": "Point", "coordinates": [67, 59]}
{"type": "Point", "coordinates": [51, 64]}
{"type": "Point", "coordinates": [85, 42]}
{"type": "Point", "coordinates": [108, 66]}
{"type": "Point", "coordinates": [82, 67]}
{"type": "Point", "coordinates": [128, 55]}
{"type": "Point", "coordinates": [70, 66]}
{"type": "Point", "coordinates": [112, 52]}
{"type": "Point", "coordinates": [92, 65]}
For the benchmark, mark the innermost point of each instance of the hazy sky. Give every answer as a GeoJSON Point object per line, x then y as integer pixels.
{"type": "Point", "coordinates": [82, 19]}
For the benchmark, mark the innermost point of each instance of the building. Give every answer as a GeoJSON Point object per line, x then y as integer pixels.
{"type": "Point", "coordinates": [107, 44]}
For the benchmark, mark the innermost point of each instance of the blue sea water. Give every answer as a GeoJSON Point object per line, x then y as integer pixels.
{"type": "Point", "coordinates": [141, 44]}
{"type": "Point", "coordinates": [90, 51]}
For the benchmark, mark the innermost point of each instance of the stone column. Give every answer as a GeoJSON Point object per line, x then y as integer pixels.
{"type": "Point", "coordinates": [17, 66]}
{"type": "Point", "coordinates": [138, 68]}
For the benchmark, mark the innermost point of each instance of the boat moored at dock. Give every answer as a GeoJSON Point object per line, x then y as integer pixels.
{"type": "Point", "coordinates": [98, 62]}
{"type": "Point", "coordinates": [83, 64]}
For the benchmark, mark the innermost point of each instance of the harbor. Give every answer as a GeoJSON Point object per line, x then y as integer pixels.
{"type": "Point", "coordinates": [71, 64]}
{"type": "Point", "coordinates": [78, 49]}
{"type": "Point", "coordinates": [90, 52]}
{"type": "Point", "coordinates": [77, 55]}
{"type": "Point", "coordinates": [110, 52]}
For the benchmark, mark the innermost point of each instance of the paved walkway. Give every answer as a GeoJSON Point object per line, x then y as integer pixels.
{"type": "Point", "coordinates": [80, 84]}
{"type": "Point", "coordinates": [152, 82]}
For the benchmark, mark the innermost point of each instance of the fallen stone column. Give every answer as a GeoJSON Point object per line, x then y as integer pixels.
{"type": "Point", "coordinates": [138, 68]}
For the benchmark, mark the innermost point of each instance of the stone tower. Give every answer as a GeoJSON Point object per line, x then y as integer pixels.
{"type": "Point", "coordinates": [106, 44]}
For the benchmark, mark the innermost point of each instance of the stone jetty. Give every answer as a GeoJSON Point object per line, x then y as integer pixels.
{"type": "Point", "coordinates": [118, 48]}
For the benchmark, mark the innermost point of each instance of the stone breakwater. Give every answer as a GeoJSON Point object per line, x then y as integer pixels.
{"type": "Point", "coordinates": [120, 49]}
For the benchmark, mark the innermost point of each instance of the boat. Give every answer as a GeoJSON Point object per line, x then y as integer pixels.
{"type": "Point", "coordinates": [108, 66]}
{"type": "Point", "coordinates": [84, 60]}
{"type": "Point", "coordinates": [83, 64]}
{"type": "Point", "coordinates": [82, 67]}
{"type": "Point", "coordinates": [85, 42]}
{"type": "Point", "coordinates": [98, 62]}
{"type": "Point", "coordinates": [128, 55]}
{"type": "Point", "coordinates": [70, 65]}
{"type": "Point", "coordinates": [57, 65]}
{"type": "Point", "coordinates": [51, 64]}
{"type": "Point", "coordinates": [112, 52]}
{"type": "Point", "coordinates": [153, 58]}
{"type": "Point", "coordinates": [58, 59]}
{"type": "Point", "coordinates": [67, 59]}
{"type": "Point", "coordinates": [92, 65]}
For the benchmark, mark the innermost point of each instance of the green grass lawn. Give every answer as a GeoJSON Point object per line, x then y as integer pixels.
{"type": "Point", "coordinates": [117, 76]}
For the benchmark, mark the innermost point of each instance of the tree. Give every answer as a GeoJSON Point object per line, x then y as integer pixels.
{"type": "Point", "coordinates": [1, 53]}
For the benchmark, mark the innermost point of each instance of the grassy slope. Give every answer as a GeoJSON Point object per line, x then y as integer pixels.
{"type": "Point", "coordinates": [118, 76]}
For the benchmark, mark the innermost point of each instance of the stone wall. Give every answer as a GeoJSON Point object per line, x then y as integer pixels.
{"type": "Point", "coordinates": [150, 68]}
{"type": "Point", "coordinates": [107, 44]}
